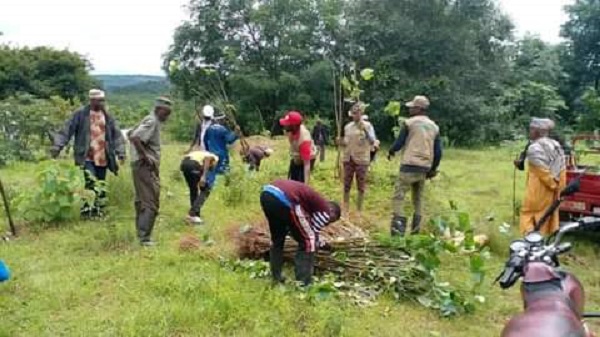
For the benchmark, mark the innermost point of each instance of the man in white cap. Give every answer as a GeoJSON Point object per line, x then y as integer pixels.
{"type": "Point", "coordinates": [546, 177]}
{"type": "Point", "coordinates": [214, 137]}
{"type": "Point", "coordinates": [97, 146]}
{"type": "Point", "coordinates": [422, 151]}
{"type": "Point", "coordinates": [208, 113]}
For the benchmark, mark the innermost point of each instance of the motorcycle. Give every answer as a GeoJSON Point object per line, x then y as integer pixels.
{"type": "Point", "coordinates": [553, 299]}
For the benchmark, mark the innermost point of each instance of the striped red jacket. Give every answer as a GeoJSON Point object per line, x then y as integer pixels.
{"type": "Point", "coordinates": [315, 207]}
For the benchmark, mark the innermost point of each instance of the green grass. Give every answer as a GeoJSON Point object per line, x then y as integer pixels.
{"type": "Point", "coordinates": [92, 279]}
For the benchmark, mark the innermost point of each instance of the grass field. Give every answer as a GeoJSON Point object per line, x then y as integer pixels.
{"type": "Point", "coordinates": [93, 279]}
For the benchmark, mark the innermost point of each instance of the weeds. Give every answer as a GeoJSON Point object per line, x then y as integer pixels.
{"type": "Point", "coordinates": [57, 196]}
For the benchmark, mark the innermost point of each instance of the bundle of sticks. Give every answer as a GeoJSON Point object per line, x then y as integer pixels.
{"type": "Point", "coordinates": [352, 257]}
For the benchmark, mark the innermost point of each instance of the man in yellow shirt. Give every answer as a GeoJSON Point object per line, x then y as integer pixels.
{"type": "Point", "coordinates": [545, 179]}
{"type": "Point", "coordinates": [198, 168]}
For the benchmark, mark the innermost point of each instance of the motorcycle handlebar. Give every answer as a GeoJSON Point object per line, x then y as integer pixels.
{"type": "Point", "coordinates": [507, 277]}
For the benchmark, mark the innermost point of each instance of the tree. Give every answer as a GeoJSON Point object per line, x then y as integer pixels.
{"type": "Point", "coordinates": [260, 54]}
{"type": "Point", "coordinates": [452, 51]}
{"type": "Point", "coordinates": [582, 31]}
{"type": "Point", "coordinates": [43, 72]}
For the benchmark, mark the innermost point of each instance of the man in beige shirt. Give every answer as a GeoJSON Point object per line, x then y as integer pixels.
{"type": "Point", "coordinates": [421, 148]}
{"type": "Point", "coordinates": [359, 137]}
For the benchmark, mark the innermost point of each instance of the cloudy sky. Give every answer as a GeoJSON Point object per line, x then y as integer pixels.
{"type": "Point", "coordinates": [130, 36]}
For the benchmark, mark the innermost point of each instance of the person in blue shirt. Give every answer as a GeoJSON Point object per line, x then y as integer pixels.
{"type": "Point", "coordinates": [4, 272]}
{"type": "Point", "coordinates": [213, 137]}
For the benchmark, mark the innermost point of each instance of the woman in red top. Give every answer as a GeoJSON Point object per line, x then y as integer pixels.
{"type": "Point", "coordinates": [295, 208]}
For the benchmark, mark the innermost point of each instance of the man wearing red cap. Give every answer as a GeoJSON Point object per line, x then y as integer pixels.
{"type": "Point", "coordinates": [302, 148]}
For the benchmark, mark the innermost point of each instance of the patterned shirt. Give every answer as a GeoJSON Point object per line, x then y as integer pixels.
{"type": "Point", "coordinates": [97, 149]}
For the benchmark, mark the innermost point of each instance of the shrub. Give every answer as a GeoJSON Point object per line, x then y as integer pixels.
{"type": "Point", "coordinates": [57, 196]}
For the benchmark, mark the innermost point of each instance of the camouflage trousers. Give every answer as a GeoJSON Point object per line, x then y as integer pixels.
{"type": "Point", "coordinates": [408, 181]}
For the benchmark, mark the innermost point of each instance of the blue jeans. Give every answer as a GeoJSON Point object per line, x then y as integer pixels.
{"type": "Point", "coordinates": [92, 174]}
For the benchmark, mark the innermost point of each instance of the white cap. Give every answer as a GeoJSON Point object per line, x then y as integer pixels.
{"type": "Point", "coordinates": [208, 111]}
{"type": "Point", "coordinates": [96, 94]}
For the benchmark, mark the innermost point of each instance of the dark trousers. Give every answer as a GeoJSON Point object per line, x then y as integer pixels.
{"type": "Point", "coordinates": [283, 221]}
{"type": "Point", "coordinates": [94, 174]}
{"type": "Point", "coordinates": [192, 172]}
{"type": "Point", "coordinates": [322, 152]}
{"type": "Point", "coordinates": [147, 198]}
{"type": "Point", "coordinates": [296, 171]}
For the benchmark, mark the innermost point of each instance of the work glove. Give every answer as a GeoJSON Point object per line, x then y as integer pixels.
{"type": "Point", "coordinates": [431, 174]}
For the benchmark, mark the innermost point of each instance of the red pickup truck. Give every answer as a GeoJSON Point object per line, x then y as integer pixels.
{"type": "Point", "coordinates": [587, 200]}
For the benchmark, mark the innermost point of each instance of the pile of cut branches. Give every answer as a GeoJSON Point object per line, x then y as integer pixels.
{"type": "Point", "coordinates": [384, 264]}
{"type": "Point", "coordinates": [353, 257]}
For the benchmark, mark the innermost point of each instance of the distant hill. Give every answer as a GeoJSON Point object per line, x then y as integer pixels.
{"type": "Point", "coordinates": [134, 83]}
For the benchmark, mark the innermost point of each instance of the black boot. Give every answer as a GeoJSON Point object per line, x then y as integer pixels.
{"type": "Point", "coordinates": [276, 261]}
{"type": "Point", "coordinates": [304, 267]}
{"type": "Point", "coordinates": [398, 227]}
{"type": "Point", "coordinates": [416, 224]}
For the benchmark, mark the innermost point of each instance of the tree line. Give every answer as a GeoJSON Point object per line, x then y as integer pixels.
{"type": "Point", "coordinates": [260, 58]}
{"type": "Point", "coordinates": [266, 57]}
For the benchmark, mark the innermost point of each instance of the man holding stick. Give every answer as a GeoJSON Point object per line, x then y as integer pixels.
{"type": "Point", "coordinates": [545, 179]}
{"type": "Point", "coordinates": [359, 137]}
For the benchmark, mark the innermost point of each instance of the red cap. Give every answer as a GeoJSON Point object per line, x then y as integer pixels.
{"type": "Point", "coordinates": [292, 118]}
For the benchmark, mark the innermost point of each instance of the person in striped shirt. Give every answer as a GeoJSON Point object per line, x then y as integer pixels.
{"type": "Point", "coordinates": [295, 208]}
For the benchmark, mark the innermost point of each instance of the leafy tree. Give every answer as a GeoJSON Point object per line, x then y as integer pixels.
{"type": "Point", "coordinates": [583, 33]}
{"type": "Point", "coordinates": [43, 72]}
{"type": "Point", "coordinates": [26, 123]}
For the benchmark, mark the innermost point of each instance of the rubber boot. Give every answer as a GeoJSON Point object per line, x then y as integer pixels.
{"type": "Point", "coordinates": [276, 261]}
{"type": "Point", "coordinates": [416, 224]}
{"type": "Point", "coordinates": [398, 226]}
{"type": "Point", "coordinates": [304, 263]}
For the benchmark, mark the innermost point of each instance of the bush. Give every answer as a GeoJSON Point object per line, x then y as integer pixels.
{"type": "Point", "coordinates": [57, 197]}
{"type": "Point", "coordinates": [26, 124]}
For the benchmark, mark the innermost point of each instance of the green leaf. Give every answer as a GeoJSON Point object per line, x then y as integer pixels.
{"type": "Point", "coordinates": [367, 74]}
{"type": "Point", "coordinates": [393, 108]}
{"type": "Point", "coordinates": [464, 223]}
{"type": "Point", "coordinates": [346, 85]}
